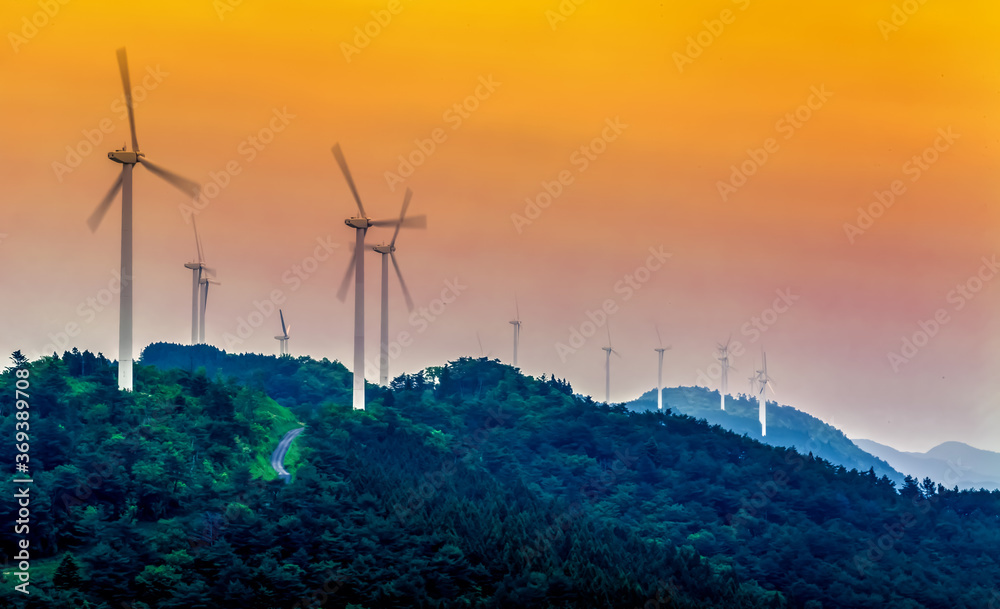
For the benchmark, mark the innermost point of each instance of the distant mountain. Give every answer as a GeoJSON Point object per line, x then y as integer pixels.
{"type": "Point", "coordinates": [786, 426]}
{"type": "Point", "coordinates": [951, 464]}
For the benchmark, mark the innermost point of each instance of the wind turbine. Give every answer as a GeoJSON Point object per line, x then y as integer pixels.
{"type": "Point", "coordinates": [482, 353]}
{"type": "Point", "coordinates": [659, 371]}
{"type": "Point", "coordinates": [199, 272]}
{"type": "Point", "coordinates": [361, 223]}
{"type": "Point", "coordinates": [388, 252]}
{"type": "Point", "coordinates": [206, 280]}
{"type": "Point", "coordinates": [128, 160]}
{"type": "Point", "coordinates": [765, 383]}
{"type": "Point", "coordinates": [607, 367]}
{"type": "Point", "coordinates": [283, 337]}
{"type": "Point", "coordinates": [196, 271]}
{"type": "Point", "coordinates": [517, 328]}
{"type": "Point", "coordinates": [724, 359]}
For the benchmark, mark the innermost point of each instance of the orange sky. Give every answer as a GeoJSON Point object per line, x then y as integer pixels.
{"type": "Point", "coordinates": [693, 108]}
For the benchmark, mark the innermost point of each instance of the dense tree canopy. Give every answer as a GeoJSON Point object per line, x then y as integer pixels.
{"type": "Point", "coordinates": [465, 485]}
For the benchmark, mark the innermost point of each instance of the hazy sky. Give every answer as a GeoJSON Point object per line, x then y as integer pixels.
{"type": "Point", "coordinates": [711, 156]}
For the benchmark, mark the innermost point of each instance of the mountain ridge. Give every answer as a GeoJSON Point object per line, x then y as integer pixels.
{"type": "Point", "coordinates": [787, 426]}
{"type": "Point", "coordinates": [950, 463]}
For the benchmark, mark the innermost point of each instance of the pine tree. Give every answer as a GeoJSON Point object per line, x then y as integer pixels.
{"type": "Point", "coordinates": [67, 575]}
{"type": "Point", "coordinates": [19, 360]}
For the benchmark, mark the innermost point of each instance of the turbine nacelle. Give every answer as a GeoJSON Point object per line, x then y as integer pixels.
{"type": "Point", "coordinates": [362, 223]}
{"type": "Point", "coordinates": [125, 157]}
{"type": "Point", "coordinates": [384, 249]}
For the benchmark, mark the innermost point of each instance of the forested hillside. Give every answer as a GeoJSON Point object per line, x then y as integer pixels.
{"type": "Point", "coordinates": [465, 485]}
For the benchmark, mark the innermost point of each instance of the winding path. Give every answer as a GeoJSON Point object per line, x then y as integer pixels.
{"type": "Point", "coordinates": [278, 456]}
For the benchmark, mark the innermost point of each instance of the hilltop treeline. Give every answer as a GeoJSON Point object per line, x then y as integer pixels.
{"type": "Point", "coordinates": [465, 485]}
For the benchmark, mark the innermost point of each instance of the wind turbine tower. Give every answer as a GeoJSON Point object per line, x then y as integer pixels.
{"type": "Point", "coordinates": [764, 382]}
{"type": "Point", "coordinates": [206, 280]}
{"type": "Point", "coordinates": [128, 159]}
{"type": "Point", "coordinates": [197, 269]}
{"type": "Point", "coordinates": [482, 352]}
{"type": "Point", "coordinates": [283, 337]}
{"type": "Point", "coordinates": [361, 223]}
{"type": "Point", "coordinates": [726, 367]}
{"type": "Point", "coordinates": [202, 276]}
{"type": "Point", "coordinates": [659, 370]}
{"type": "Point", "coordinates": [607, 368]}
{"type": "Point", "coordinates": [517, 328]}
{"type": "Point", "coordinates": [388, 253]}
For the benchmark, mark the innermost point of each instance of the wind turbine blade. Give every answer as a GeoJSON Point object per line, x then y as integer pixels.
{"type": "Point", "coordinates": [197, 241]}
{"type": "Point", "coordinates": [411, 222]}
{"type": "Point", "coordinates": [102, 208]}
{"type": "Point", "coordinates": [480, 344]}
{"type": "Point", "coordinates": [185, 185]}
{"type": "Point", "coordinates": [402, 216]}
{"type": "Point", "coordinates": [346, 283]}
{"type": "Point", "coordinates": [127, 84]}
{"type": "Point", "coordinates": [284, 330]}
{"type": "Point", "coordinates": [402, 284]}
{"type": "Point", "coordinates": [210, 272]}
{"type": "Point", "coordinates": [608, 327]}
{"type": "Point", "coordinates": [517, 310]}
{"type": "Point", "coordinates": [337, 154]}
{"type": "Point", "coordinates": [659, 339]}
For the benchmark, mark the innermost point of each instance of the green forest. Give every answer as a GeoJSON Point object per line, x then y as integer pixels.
{"type": "Point", "coordinates": [465, 485]}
